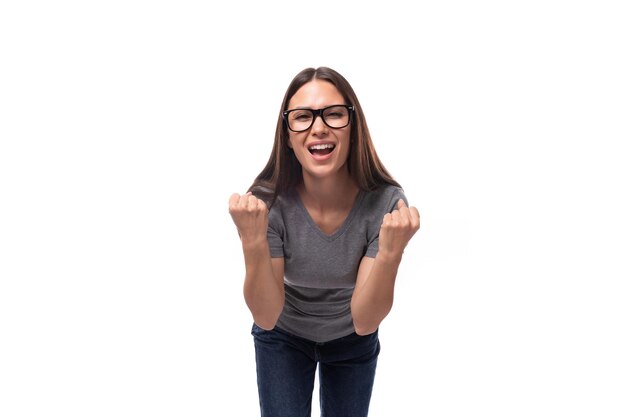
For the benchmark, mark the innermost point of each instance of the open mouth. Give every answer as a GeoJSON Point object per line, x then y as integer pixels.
{"type": "Point", "coordinates": [321, 149]}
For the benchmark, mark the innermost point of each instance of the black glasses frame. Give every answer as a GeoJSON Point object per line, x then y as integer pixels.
{"type": "Point", "coordinates": [320, 113]}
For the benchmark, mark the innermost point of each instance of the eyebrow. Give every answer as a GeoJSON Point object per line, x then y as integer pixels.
{"type": "Point", "coordinates": [323, 107]}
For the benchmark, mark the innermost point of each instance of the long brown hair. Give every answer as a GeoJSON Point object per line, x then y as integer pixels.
{"type": "Point", "coordinates": [283, 171]}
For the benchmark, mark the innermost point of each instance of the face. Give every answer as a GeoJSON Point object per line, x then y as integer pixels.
{"type": "Point", "coordinates": [321, 150]}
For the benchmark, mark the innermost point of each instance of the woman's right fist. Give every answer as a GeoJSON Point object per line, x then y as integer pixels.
{"type": "Point", "coordinates": [250, 216]}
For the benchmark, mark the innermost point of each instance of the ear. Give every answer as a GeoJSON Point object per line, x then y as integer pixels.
{"type": "Point", "coordinates": [289, 145]}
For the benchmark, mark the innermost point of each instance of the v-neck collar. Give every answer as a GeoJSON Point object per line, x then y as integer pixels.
{"type": "Point", "coordinates": [344, 225]}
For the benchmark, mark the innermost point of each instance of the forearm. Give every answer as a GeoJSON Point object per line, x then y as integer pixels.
{"type": "Point", "coordinates": [264, 293]}
{"type": "Point", "coordinates": [372, 301]}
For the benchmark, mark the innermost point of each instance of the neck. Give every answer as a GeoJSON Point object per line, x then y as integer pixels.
{"type": "Point", "coordinates": [329, 193]}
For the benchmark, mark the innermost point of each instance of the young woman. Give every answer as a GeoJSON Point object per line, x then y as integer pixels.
{"type": "Point", "coordinates": [323, 228]}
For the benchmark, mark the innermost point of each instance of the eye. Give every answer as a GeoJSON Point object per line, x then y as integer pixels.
{"type": "Point", "coordinates": [334, 114]}
{"type": "Point", "coordinates": [300, 116]}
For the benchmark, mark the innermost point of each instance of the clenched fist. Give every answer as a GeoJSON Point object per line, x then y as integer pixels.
{"type": "Point", "coordinates": [250, 216]}
{"type": "Point", "coordinates": [397, 229]}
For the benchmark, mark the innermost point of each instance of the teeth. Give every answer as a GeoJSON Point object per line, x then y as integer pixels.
{"type": "Point", "coordinates": [322, 146]}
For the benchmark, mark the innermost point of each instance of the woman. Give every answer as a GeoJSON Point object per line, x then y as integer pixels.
{"type": "Point", "coordinates": [321, 263]}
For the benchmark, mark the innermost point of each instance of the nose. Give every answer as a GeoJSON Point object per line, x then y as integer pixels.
{"type": "Point", "coordinates": [319, 128]}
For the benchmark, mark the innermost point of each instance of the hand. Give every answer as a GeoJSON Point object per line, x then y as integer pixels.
{"type": "Point", "coordinates": [397, 229]}
{"type": "Point", "coordinates": [250, 215]}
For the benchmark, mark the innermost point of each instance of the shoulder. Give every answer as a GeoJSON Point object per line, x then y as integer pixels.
{"type": "Point", "coordinates": [282, 208]}
{"type": "Point", "coordinates": [384, 198]}
{"type": "Point", "coordinates": [284, 202]}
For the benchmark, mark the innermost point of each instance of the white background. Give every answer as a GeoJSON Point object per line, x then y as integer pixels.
{"type": "Point", "coordinates": [126, 125]}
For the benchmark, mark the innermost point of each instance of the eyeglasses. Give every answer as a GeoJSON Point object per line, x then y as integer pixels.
{"type": "Point", "coordinates": [335, 117]}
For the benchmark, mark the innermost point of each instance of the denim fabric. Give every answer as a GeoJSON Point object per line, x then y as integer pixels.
{"type": "Point", "coordinates": [286, 366]}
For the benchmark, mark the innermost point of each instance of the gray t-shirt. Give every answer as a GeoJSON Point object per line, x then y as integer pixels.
{"type": "Point", "coordinates": [321, 269]}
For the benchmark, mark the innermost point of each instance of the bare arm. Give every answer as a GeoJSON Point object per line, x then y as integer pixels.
{"type": "Point", "coordinates": [373, 293]}
{"type": "Point", "coordinates": [263, 287]}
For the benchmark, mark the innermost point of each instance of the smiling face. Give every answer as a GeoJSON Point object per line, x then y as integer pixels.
{"type": "Point", "coordinates": [321, 150]}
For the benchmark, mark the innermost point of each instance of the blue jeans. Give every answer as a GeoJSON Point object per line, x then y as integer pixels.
{"type": "Point", "coordinates": [286, 367]}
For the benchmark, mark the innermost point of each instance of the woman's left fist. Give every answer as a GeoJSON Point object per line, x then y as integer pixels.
{"type": "Point", "coordinates": [397, 229]}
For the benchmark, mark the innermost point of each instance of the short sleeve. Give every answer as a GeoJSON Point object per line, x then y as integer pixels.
{"type": "Point", "coordinates": [275, 233]}
{"type": "Point", "coordinates": [275, 242]}
{"type": "Point", "coordinates": [390, 205]}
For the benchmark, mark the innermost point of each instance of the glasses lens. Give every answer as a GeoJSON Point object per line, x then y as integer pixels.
{"type": "Point", "coordinates": [300, 120]}
{"type": "Point", "coordinates": [336, 116]}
